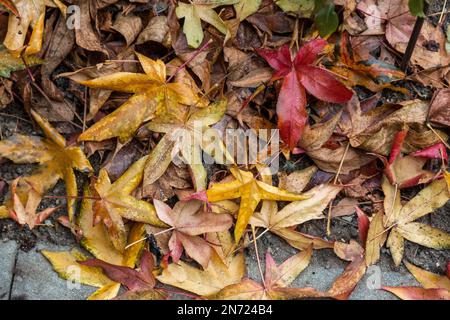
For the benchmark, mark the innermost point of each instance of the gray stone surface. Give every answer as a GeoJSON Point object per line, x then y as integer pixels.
{"type": "Point", "coordinates": [8, 251]}
{"type": "Point", "coordinates": [35, 279]}
{"type": "Point", "coordinates": [325, 267]}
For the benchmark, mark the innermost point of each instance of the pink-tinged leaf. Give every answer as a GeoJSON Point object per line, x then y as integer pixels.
{"type": "Point", "coordinates": [322, 84]}
{"type": "Point", "coordinates": [291, 110]}
{"type": "Point", "coordinates": [277, 59]}
{"type": "Point", "coordinates": [271, 268]}
{"type": "Point", "coordinates": [201, 195]}
{"type": "Point", "coordinates": [363, 225]}
{"type": "Point", "coordinates": [417, 293]}
{"type": "Point", "coordinates": [147, 266]}
{"type": "Point", "coordinates": [197, 248]}
{"type": "Point", "coordinates": [436, 151]}
{"type": "Point", "coordinates": [175, 247]}
{"type": "Point", "coordinates": [411, 182]}
{"type": "Point", "coordinates": [308, 52]}
{"type": "Point", "coordinates": [163, 211]}
{"type": "Point", "coordinates": [397, 145]}
{"type": "Point", "coordinates": [130, 278]}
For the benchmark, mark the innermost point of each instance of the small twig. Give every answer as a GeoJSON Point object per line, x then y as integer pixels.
{"type": "Point", "coordinates": [442, 12]}
{"type": "Point", "coordinates": [257, 258]}
{"type": "Point", "coordinates": [412, 43]}
{"type": "Point", "coordinates": [145, 238]}
{"type": "Point", "coordinates": [341, 163]}
{"type": "Point", "coordinates": [189, 60]}
{"type": "Point", "coordinates": [437, 135]}
{"type": "Point", "coordinates": [329, 219]}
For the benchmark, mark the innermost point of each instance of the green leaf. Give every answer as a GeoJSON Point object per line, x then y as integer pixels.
{"type": "Point", "coordinates": [304, 8]}
{"type": "Point", "coordinates": [9, 63]}
{"type": "Point", "coordinates": [326, 18]}
{"type": "Point", "coordinates": [244, 8]}
{"type": "Point", "coordinates": [416, 8]}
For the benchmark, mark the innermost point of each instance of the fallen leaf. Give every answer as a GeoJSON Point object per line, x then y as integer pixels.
{"type": "Point", "coordinates": [189, 222]}
{"type": "Point", "coordinates": [251, 192]}
{"type": "Point", "coordinates": [115, 203]}
{"type": "Point", "coordinates": [151, 95]}
{"type": "Point", "coordinates": [276, 281]}
{"type": "Point", "coordinates": [56, 161]}
{"type": "Point", "coordinates": [300, 75]}
{"type": "Point", "coordinates": [204, 282]}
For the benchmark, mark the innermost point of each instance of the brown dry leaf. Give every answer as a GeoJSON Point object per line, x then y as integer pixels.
{"type": "Point", "coordinates": [439, 113]}
{"type": "Point", "coordinates": [129, 26]}
{"type": "Point", "coordinates": [375, 130]}
{"type": "Point", "coordinates": [330, 160]}
{"type": "Point", "coordinates": [56, 161]}
{"type": "Point", "coordinates": [6, 96]}
{"type": "Point", "coordinates": [157, 30]}
{"type": "Point", "coordinates": [296, 181]}
{"type": "Point", "coordinates": [345, 207]}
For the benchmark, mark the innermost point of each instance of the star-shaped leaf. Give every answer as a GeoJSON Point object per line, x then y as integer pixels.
{"type": "Point", "coordinates": [152, 95]}
{"type": "Point", "coordinates": [295, 213]}
{"type": "Point", "coordinates": [208, 281]}
{"type": "Point", "coordinates": [188, 221]}
{"type": "Point", "coordinates": [56, 161]}
{"type": "Point", "coordinates": [300, 75]}
{"type": "Point", "coordinates": [400, 219]}
{"type": "Point", "coordinates": [115, 203]}
{"type": "Point", "coordinates": [276, 281]}
{"type": "Point", "coordinates": [184, 134]}
{"type": "Point", "coordinates": [251, 192]}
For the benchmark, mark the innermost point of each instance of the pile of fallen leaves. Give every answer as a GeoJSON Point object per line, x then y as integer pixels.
{"type": "Point", "coordinates": [115, 80]}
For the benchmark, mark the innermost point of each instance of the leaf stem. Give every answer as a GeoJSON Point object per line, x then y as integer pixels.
{"type": "Point", "coordinates": [190, 59]}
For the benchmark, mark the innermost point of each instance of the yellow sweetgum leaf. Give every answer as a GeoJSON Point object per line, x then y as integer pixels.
{"type": "Point", "coordinates": [251, 192]}
{"type": "Point", "coordinates": [152, 96]}
{"type": "Point", "coordinates": [56, 161]}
